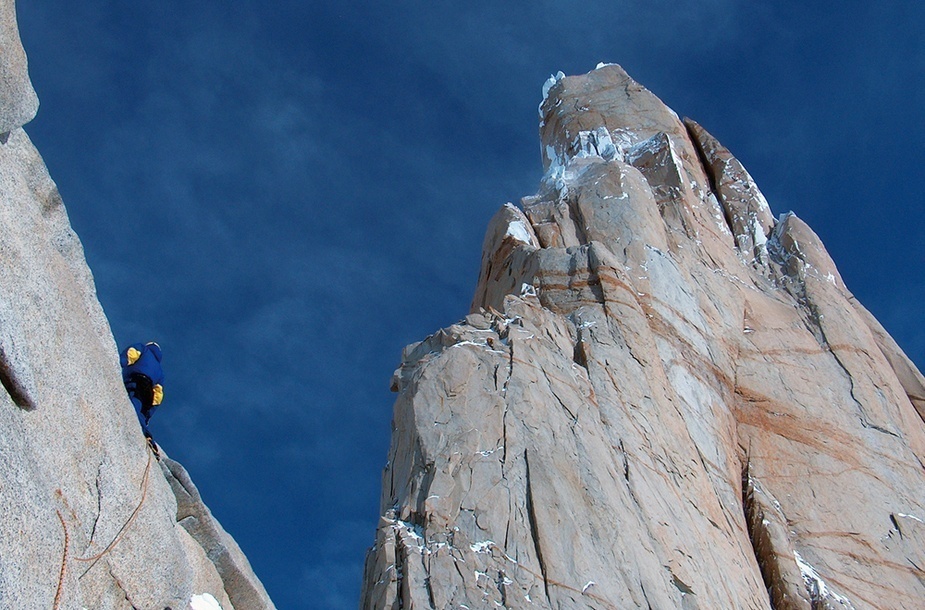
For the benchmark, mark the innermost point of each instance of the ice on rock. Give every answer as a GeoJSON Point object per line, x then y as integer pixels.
{"type": "Point", "coordinates": [588, 144]}
{"type": "Point", "coordinates": [595, 143]}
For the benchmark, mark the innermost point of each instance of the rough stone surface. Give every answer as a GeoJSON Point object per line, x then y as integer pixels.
{"type": "Point", "coordinates": [18, 101]}
{"type": "Point", "coordinates": [90, 520]}
{"type": "Point", "coordinates": [663, 398]}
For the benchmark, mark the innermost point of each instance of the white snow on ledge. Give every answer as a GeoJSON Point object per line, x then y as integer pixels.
{"type": "Point", "coordinates": [518, 230]}
{"type": "Point", "coordinates": [205, 601]}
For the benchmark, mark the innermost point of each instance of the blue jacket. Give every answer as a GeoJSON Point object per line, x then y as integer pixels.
{"type": "Point", "coordinates": [147, 362]}
{"type": "Point", "coordinates": [143, 379]}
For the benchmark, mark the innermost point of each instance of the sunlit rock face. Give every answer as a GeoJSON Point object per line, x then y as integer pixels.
{"type": "Point", "coordinates": [89, 518]}
{"type": "Point", "coordinates": [663, 397]}
{"type": "Point", "coordinates": [18, 102]}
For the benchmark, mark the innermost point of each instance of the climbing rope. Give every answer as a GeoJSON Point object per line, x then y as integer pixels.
{"type": "Point", "coordinates": [118, 537]}
{"type": "Point", "coordinates": [63, 563]}
{"type": "Point", "coordinates": [115, 541]}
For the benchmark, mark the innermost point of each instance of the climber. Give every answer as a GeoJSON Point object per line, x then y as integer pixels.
{"type": "Point", "coordinates": [144, 379]}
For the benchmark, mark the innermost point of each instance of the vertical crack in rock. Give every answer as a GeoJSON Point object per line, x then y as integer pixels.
{"type": "Point", "coordinates": [645, 597]}
{"type": "Point", "coordinates": [417, 516]}
{"type": "Point", "coordinates": [400, 580]}
{"type": "Point", "coordinates": [99, 502]}
{"type": "Point", "coordinates": [911, 380]}
{"type": "Point", "coordinates": [552, 390]}
{"type": "Point", "coordinates": [534, 527]}
{"type": "Point", "coordinates": [504, 444]}
{"type": "Point", "coordinates": [427, 585]}
{"type": "Point", "coordinates": [501, 327]}
{"type": "Point", "coordinates": [579, 354]}
{"type": "Point", "coordinates": [501, 584]}
{"type": "Point", "coordinates": [711, 175]}
{"type": "Point", "coordinates": [626, 463]}
{"type": "Point", "coordinates": [862, 412]}
{"type": "Point", "coordinates": [744, 207]}
{"type": "Point", "coordinates": [577, 217]}
{"type": "Point", "coordinates": [767, 531]}
{"type": "Point", "coordinates": [121, 587]}
{"type": "Point", "coordinates": [12, 384]}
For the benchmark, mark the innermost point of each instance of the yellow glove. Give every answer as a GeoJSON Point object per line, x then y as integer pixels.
{"type": "Point", "coordinates": [132, 356]}
{"type": "Point", "coordinates": [158, 394]}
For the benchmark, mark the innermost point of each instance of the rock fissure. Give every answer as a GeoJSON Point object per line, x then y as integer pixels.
{"type": "Point", "coordinates": [534, 527]}
{"type": "Point", "coordinates": [862, 412]}
{"type": "Point", "coordinates": [121, 587]}
{"type": "Point", "coordinates": [705, 165]}
{"type": "Point", "coordinates": [13, 386]}
{"type": "Point", "coordinates": [99, 503]}
{"type": "Point", "coordinates": [427, 585]}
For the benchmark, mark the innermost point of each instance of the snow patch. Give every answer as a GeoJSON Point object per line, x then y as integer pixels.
{"type": "Point", "coordinates": [487, 452]}
{"type": "Point", "coordinates": [818, 590]}
{"type": "Point", "coordinates": [650, 146]}
{"type": "Point", "coordinates": [476, 344]}
{"type": "Point", "coordinates": [482, 547]}
{"type": "Point", "coordinates": [603, 65]}
{"type": "Point", "coordinates": [549, 84]}
{"type": "Point", "coordinates": [204, 601]}
{"type": "Point", "coordinates": [590, 584]}
{"type": "Point", "coordinates": [518, 230]}
{"type": "Point", "coordinates": [595, 143]}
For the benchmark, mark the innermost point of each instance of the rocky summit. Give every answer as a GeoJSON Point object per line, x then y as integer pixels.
{"type": "Point", "coordinates": [663, 397]}
{"type": "Point", "coordinates": [90, 518]}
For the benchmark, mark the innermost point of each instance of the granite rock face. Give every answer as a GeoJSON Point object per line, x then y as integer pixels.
{"type": "Point", "coordinates": [663, 397]}
{"type": "Point", "coordinates": [18, 101]}
{"type": "Point", "coordinates": [90, 519]}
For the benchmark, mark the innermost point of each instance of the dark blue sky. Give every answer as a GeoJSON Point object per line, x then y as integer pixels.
{"type": "Point", "coordinates": [284, 194]}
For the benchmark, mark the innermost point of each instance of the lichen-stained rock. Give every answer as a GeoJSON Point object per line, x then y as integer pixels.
{"type": "Point", "coordinates": [89, 518]}
{"type": "Point", "coordinates": [663, 398]}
